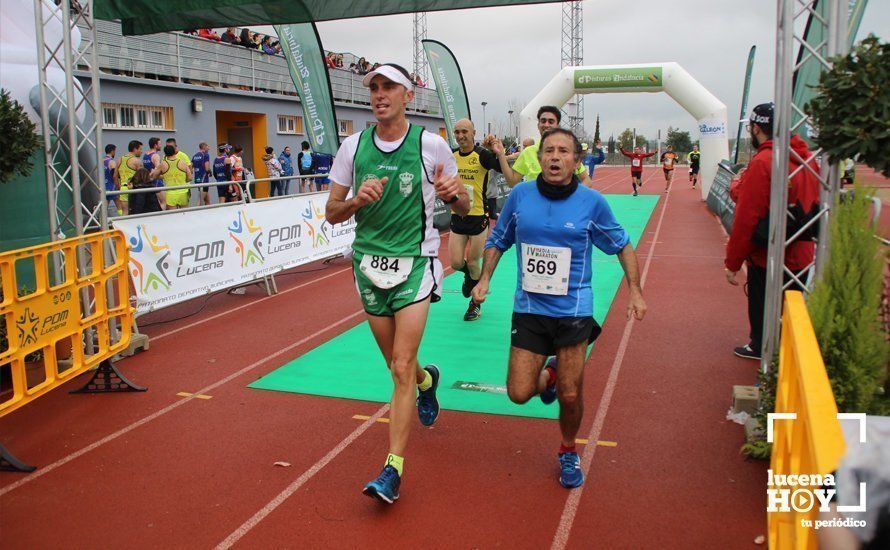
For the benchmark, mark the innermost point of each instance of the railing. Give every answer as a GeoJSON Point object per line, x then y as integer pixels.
{"type": "Point", "coordinates": [188, 59]}
{"type": "Point", "coordinates": [812, 442]}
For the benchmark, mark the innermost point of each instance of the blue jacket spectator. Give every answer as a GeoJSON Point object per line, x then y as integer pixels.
{"type": "Point", "coordinates": [287, 168]}
{"type": "Point", "coordinates": [591, 159]}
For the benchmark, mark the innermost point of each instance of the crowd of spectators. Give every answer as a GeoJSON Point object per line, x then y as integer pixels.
{"type": "Point", "coordinates": [246, 38]}
{"type": "Point", "coordinates": [271, 46]}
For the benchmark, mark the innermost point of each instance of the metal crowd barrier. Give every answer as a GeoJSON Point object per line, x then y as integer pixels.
{"type": "Point", "coordinates": [78, 317]}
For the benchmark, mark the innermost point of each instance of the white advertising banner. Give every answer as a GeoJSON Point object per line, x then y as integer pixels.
{"type": "Point", "coordinates": [177, 256]}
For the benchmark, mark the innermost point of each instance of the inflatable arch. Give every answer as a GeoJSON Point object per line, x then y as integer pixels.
{"type": "Point", "coordinates": [670, 78]}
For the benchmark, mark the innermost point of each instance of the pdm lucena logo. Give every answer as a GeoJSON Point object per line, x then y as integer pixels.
{"type": "Point", "coordinates": [248, 239]}
{"type": "Point", "coordinates": [313, 217]}
{"type": "Point", "coordinates": [149, 274]}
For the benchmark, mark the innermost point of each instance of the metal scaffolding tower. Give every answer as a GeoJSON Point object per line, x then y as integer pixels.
{"type": "Point", "coordinates": [421, 66]}
{"type": "Point", "coordinates": [573, 56]}
{"type": "Point", "coordinates": [69, 169]}
{"type": "Point", "coordinates": [792, 14]}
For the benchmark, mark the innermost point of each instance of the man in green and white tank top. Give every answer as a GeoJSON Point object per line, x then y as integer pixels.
{"type": "Point", "coordinates": [395, 171]}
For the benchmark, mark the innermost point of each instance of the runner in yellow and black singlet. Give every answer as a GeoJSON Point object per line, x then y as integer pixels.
{"type": "Point", "coordinates": [473, 164]}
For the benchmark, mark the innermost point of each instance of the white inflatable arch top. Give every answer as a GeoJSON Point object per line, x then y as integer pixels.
{"type": "Point", "coordinates": [708, 111]}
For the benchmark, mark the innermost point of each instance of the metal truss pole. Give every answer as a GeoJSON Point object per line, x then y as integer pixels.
{"type": "Point", "coordinates": [65, 139]}
{"type": "Point", "coordinates": [573, 56]}
{"type": "Point", "coordinates": [792, 14]}
{"type": "Point", "coordinates": [421, 66]}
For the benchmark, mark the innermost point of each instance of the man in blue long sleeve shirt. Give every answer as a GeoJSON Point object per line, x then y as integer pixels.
{"type": "Point", "coordinates": [555, 222]}
{"type": "Point", "coordinates": [592, 158]}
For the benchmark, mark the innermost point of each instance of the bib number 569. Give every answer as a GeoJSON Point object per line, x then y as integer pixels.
{"type": "Point", "coordinates": [541, 267]}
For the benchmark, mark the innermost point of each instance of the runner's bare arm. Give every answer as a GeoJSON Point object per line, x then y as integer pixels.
{"type": "Point", "coordinates": [497, 147]}
{"type": "Point", "coordinates": [628, 259]}
{"type": "Point", "coordinates": [449, 188]}
{"type": "Point", "coordinates": [585, 179]}
{"type": "Point", "coordinates": [489, 262]}
{"type": "Point", "coordinates": [338, 209]}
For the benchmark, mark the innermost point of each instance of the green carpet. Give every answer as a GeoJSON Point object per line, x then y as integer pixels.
{"type": "Point", "coordinates": [472, 356]}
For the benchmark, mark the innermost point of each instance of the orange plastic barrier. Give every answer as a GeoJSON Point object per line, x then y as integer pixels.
{"type": "Point", "coordinates": [63, 310]}
{"type": "Point", "coordinates": [812, 443]}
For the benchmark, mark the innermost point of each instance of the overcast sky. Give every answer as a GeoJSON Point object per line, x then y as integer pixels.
{"type": "Point", "coordinates": [508, 54]}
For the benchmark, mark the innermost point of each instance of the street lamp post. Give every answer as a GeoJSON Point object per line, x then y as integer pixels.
{"type": "Point", "coordinates": [510, 122]}
{"type": "Point", "coordinates": [484, 103]}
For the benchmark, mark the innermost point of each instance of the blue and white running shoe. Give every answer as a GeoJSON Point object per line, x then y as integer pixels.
{"type": "Point", "coordinates": [386, 487]}
{"type": "Point", "coordinates": [570, 474]}
{"type": "Point", "coordinates": [427, 404]}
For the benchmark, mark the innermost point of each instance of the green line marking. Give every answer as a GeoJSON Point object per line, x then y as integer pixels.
{"type": "Point", "coordinates": [471, 356]}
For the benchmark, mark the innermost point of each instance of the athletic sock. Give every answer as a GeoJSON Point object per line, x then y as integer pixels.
{"type": "Point", "coordinates": [395, 461]}
{"type": "Point", "coordinates": [562, 449]}
{"type": "Point", "coordinates": [551, 375]}
{"type": "Point", "coordinates": [427, 381]}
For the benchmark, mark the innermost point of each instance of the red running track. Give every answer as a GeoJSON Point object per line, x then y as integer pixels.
{"type": "Point", "coordinates": [155, 469]}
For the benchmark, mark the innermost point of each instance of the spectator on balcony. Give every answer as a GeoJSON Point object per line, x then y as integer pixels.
{"type": "Point", "coordinates": [339, 60]}
{"type": "Point", "coordinates": [277, 47]}
{"type": "Point", "coordinates": [257, 41]}
{"type": "Point", "coordinates": [363, 66]}
{"type": "Point", "coordinates": [330, 60]}
{"type": "Point", "coordinates": [230, 36]}
{"type": "Point", "coordinates": [191, 32]}
{"type": "Point", "coordinates": [267, 46]}
{"type": "Point", "coordinates": [209, 34]}
{"type": "Point", "coordinates": [353, 68]}
{"type": "Point", "coordinates": [287, 168]}
{"type": "Point", "coordinates": [246, 39]}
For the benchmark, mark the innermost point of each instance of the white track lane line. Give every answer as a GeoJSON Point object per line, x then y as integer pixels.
{"type": "Point", "coordinates": [62, 461]}
{"type": "Point", "coordinates": [570, 510]}
{"type": "Point", "coordinates": [300, 481]}
{"type": "Point", "coordinates": [107, 439]}
{"type": "Point", "coordinates": [253, 303]}
{"type": "Point", "coordinates": [260, 300]}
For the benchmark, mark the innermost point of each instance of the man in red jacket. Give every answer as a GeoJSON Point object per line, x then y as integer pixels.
{"type": "Point", "coordinates": [747, 243]}
{"type": "Point", "coordinates": [636, 165]}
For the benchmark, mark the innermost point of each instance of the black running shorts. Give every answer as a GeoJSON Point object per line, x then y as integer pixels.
{"type": "Point", "coordinates": [544, 335]}
{"type": "Point", "coordinates": [468, 225]}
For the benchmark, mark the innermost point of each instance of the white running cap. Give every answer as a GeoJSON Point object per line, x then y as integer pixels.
{"type": "Point", "coordinates": [390, 72]}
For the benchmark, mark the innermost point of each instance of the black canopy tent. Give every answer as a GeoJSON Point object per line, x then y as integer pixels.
{"type": "Point", "coordinates": [151, 16]}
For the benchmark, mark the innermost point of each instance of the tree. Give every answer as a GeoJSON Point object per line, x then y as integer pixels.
{"type": "Point", "coordinates": [845, 305]}
{"type": "Point", "coordinates": [679, 140]}
{"type": "Point", "coordinates": [596, 131]}
{"type": "Point", "coordinates": [611, 145]}
{"type": "Point", "coordinates": [625, 139]}
{"type": "Point", "coordinates": [18, 139]}
{"type": "Point", "coordinates": [641, 141]}
{"type": "Point", "coordinates": [850, 112]}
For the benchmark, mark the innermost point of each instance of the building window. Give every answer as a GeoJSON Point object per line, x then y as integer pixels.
{"type": "Point", "coordinates": [117, 116]}
{"type": "Point", "coordinates": [345, 127]}
{"type": "Point", "coordinates": [289, 124]}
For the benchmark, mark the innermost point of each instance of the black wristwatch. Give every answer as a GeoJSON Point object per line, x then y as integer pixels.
{"type": "Point", "coordinates": [452, 200]}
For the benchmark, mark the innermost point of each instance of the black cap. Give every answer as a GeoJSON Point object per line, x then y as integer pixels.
{"type": "Point", "coordinates": [763, 114]}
